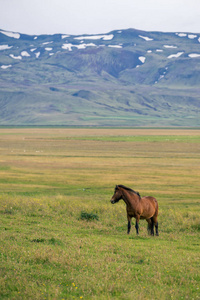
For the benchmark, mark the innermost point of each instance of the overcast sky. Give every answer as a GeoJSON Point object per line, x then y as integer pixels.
{"type": "Point", "coordinates": [98, 16]}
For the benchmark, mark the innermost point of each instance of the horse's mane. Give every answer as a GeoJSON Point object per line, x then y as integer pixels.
{"type": "Point", "coordinates": [128, 189]}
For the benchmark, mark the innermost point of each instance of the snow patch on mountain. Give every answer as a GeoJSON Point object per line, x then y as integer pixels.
{"type": "Point", "coordinates": [25, 53]}
{"type": "Point", "coordinates": [46, 43]}
{"type": "Point", "coordinates": [192, 36]}
{"type": "Point", "coordinates": [194, 55]}
{"type": "Point", "coordinates": [64, 36]}
{"type": "Point", "coordinates": [145, 38]}
{"type": "Point", "coordinates": [170, 46]}
{"type": "Point", "coordinates": [37, 54]}
{"type": "Point", "coordinates": [15, 57]}
{"type": "Point", "coordinates": [115, 46]}
{"type": "Point", "coordinates": [81, 46]}
{"type": "Point", "coordinates": [181, 34]}
{"type": "Point", "coordinates": [162, 75]}
{"type": "Point", "coordinates": [48, 49]}
{"type": "Point", "coordinates": [142, 59]}
{"type": "Point", "coordinates": [11, 34]}
{"type": "Point", "coordinates": [5, 47]}
{"type": "Point", "coordinates": [6, 66]}
{"type": "Point", "coordinates": [105, 37]}
{"type": "Point", "coordinates": [175, 55]}
{"type": "Point", "coordinates": [67, 47]}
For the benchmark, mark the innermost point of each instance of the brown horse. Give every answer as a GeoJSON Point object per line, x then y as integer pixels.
{"type": "Point", "coordinates": [137, 207]}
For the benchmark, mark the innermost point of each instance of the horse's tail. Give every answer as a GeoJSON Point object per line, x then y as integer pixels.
{"type": "Point", "coordinates": [156, 206]}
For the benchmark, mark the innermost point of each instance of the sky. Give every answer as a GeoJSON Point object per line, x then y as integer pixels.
{"type": "Point", "coordinates": [98, 16]}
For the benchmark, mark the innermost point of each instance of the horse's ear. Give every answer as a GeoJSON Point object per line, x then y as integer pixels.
{"type": "Point", "coordinates": [116, 188]}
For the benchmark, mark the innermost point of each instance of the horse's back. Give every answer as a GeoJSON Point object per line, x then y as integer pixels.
{"type": "Point", "coordinates": [150, 205]}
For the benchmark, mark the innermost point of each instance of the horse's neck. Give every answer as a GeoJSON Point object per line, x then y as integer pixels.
{"type": "Point", "coordinates": [130, 199]}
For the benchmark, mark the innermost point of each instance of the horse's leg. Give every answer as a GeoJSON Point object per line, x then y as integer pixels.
{"type": "Point", "coordinates": [152, 226]}
{"type": "Point", "coordinates": [137, 224]}
{"type": "Point", "coordinates": [157, 229]}
{"type": "Point", "coordinates": [156, 224]}
{"type": "Point", "coordinates": [148, 226]}
{"type": "Point", "coordinates": [129, 223]}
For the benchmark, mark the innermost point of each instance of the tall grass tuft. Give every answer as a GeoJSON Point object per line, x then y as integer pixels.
{"type": "Point", "coordinates": [89, 216]}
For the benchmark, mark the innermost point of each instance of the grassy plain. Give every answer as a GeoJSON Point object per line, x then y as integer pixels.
{"type": "Point", "coordinates": [51, 178]}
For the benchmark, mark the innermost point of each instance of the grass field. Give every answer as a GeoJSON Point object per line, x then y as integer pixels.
{"type": "Point", "coordinates": [61, 238]}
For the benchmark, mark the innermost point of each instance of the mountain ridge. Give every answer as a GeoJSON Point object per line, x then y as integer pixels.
{"type": "Point", "coordinates": [121, 78]}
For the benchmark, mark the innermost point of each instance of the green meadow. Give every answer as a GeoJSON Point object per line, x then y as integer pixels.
{"type": "Point", "coordinates": [61, 238]}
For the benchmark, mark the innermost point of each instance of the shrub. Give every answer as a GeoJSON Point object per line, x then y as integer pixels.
{"type": "Point", "coordinates": [89, 216]}
{"type": "Point", "coordinates": [38, 240]}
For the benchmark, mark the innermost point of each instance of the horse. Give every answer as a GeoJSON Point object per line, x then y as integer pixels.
{"type": "Point", "coordinates": [137, 207]}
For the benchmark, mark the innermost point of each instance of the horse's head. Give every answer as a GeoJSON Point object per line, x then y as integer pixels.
{"type": "Point", "coordinates": [117, 195]}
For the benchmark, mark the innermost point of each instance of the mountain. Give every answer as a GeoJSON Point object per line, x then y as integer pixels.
{"type": "Point", "coordinates": [121, 78]}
